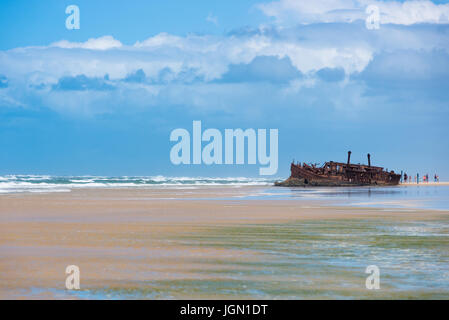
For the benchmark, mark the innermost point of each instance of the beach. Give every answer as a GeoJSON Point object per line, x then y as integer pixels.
{"type": "Point", "coordinates": [218, 242]}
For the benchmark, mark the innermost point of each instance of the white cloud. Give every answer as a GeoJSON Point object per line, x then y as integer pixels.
{"type": "Point", "coordinates": [309, 48]}
{"type": "Point", "coordinates": [212, 55]}
{"type": "Point", "coordinates": [178, 70]}
{"type": "Point", "coordinates": [101, 43]}
{"type": "Point", "coordinates": [411, 12]}
{"type": "Point", "coordinates": [393, 12]}
{"type": "Point", "coordinates": [208, 56]}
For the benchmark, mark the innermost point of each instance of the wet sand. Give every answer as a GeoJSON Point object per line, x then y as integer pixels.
{"type": "Point", "coordinates": [170, 243]}
{"type": "Point", "coordinates": [431, 183]}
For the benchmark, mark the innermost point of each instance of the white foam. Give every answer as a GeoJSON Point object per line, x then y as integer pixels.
{"type": "Point", "coordinates": [45, 183]}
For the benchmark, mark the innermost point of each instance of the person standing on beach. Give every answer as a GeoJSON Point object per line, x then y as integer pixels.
{"type": "Point", "coordinates": [417, 178]}
{"type": "Point", "coordinates": [405, 177]}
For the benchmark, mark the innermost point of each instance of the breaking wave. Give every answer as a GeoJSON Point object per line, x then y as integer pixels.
{"type": "Point", "coordinates": [44, 183]}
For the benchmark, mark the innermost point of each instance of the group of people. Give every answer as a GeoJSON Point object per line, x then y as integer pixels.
{"type": "Point", "coordinates": [415, 179]}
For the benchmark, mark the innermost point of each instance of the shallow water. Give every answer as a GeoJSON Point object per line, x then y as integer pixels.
{"type": "Point", "coordinates": [319, 259]}
{"type": "Point", "coordinates": [404, 196]}
{"type": "Point", "coordinates": [303, 260]}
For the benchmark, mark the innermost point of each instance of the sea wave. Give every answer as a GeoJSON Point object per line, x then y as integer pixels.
{"type": "Point", "coordinates": [45, 183]}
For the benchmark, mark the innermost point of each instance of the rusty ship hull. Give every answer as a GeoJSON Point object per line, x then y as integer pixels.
{"type": "Point", "coordinates": [340, 174]}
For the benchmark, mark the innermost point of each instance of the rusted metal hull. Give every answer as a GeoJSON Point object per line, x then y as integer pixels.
{"type": "Point", "coordinates": [339, 174]}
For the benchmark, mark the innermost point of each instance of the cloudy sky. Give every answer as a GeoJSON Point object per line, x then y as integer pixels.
{"type": "Point", "coordinates": [103, 99]}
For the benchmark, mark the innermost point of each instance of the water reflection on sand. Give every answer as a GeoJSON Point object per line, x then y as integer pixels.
{"type": "Point", "coordinates": [230, 243]}
{"type": "Point", "coordinates": [404, 196]}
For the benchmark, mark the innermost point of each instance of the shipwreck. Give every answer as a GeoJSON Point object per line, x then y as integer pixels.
{"type": "Point", "coordinates": [339, 174]}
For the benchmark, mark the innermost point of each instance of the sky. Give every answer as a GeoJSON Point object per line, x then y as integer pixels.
{"type": "Point", "coordinates": [103, 99]}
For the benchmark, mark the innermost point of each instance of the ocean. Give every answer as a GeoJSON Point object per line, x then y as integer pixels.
{"type": "Point", "coordinates": [46, 183]}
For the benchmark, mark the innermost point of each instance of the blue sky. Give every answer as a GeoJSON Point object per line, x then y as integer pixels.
{"type": "Point", "coordinates": [37, 22]}
{"type": "Point", "coordinates": [103, 99]}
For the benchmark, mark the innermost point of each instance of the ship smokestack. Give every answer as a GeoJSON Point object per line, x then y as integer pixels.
{"type": "Point", "coordinates": [349, 157]}
{"type": "Point", "coordinates": [369, 160]}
